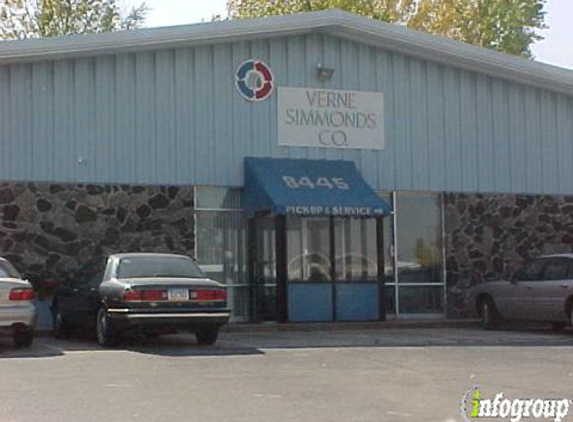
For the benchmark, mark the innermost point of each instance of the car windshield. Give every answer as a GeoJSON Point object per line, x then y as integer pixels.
{"type": "Point", "coordinates": [158, 266]}
{"type": "Point", "coordinates": [7, 270]}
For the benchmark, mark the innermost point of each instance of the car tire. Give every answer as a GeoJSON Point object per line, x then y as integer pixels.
{"type": "Point", "coordinates": [23, 337]}
{"type": "Point", "coordinates": [489, 314]}
{"type": "Point", "coordinates": [60, 327]}
{"type": "Point", "coordinates": [207, 336]}
{"type": "Point", "coordinates": [105, 334]}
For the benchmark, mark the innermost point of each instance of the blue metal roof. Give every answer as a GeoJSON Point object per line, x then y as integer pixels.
{"type": "Point", "coordinates": [303, 187]}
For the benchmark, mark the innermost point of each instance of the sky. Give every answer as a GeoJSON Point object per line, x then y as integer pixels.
{"type": "Point", "coordinates": [555, 49]}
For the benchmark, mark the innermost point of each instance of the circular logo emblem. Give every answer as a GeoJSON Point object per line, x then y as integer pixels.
{"type": "Point", "coordinates": [254, 80]}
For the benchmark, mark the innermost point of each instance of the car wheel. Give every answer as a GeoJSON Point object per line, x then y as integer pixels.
{"type": "Point", "coordinates": [23, 337]}
{"type": "Point", "coordinates": [489, 314]}
{"type": "Point", "coordinates": [60, 327]}
{"type": "Point", "coordinates": [105, 334]}
{"type": "Point", "coordinates": [207, 336]}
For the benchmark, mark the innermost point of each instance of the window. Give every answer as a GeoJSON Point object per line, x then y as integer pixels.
{"type": "Point", "coordinates": [532, 271]}
{"type": "Point", "coordinates": [160, 266]}
{"type": "Point", "coordinates": [308, 244]}
{"type": "Point", "coordinates": [557, 269]}
{"type": "Point", "coordinates": [356, 249]}
{"type": "Point", "coordinates": [419, 229]}
{"type": "Point", "coordinates": [218, 198]}
{"type": "Point", "coordinates": [7, 270]}
{"type": "Point", "coordinates": [221, 243]}
{"type": "Point", "coordinates": [419, 254]}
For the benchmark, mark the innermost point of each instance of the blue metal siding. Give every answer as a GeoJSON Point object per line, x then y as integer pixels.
{"type": "Point", "coordinates": [173, 117]}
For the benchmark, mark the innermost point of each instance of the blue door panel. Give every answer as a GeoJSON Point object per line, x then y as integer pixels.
{"type": "Point", "coordinates": [357, 302]}
{"type": "Point", "coordinates": [309, 302]}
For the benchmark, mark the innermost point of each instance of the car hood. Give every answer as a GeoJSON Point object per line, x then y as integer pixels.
{"type": "Point", "coordinates": [169, 281]}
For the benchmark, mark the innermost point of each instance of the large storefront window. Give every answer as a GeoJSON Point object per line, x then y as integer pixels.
{"type": "Point", "coordinates": [419, 253]}
{"type": "Point", "coordinates": [221, 247]}
{"type": "Point", "coordinates": [412, 245]}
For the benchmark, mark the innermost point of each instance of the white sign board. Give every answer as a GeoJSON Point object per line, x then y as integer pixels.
{"type": "Point", "coordinates": [327, 118]}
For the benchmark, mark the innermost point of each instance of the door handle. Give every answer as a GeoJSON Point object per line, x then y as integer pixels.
{"type": "Point", "coordinates": [565, 286]}
{"type": "Point", "coordinates": [528, 287]}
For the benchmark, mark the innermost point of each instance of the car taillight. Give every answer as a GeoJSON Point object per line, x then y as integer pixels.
{"type": "Point", "coordinates": [21, 294]}
{"type": "Point", "coordinates": [145, 295]}
{"type": "Point", "coordinates": [153, 295]}
{"type": "Point", "coordinates": [208, 295]}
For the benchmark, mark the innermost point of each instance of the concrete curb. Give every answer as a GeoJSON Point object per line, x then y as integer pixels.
{"type": "Point", "coordinates": [329, 326]}
{"type": "Point", "coordinates": [338, 326]}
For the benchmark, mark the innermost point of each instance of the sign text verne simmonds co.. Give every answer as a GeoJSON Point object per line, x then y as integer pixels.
{"type": "Point", "coordinates": [310, 117]}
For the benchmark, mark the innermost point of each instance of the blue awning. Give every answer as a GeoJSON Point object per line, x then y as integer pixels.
{"type": "Point", "coordinates": [285, 186]}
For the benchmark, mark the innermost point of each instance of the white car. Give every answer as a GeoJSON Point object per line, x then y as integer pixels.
{"type": "Point", "coordinates": [17, 309]}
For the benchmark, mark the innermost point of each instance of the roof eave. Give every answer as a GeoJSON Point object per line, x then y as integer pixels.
{"type": "Point", "coordinates": [456, 54]}
{"type": "Point", "coordinates": [377, 34]}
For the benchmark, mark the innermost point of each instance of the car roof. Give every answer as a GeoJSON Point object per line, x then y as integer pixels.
{"type": "Point", "coordinates": [558, 255]}
{"type": "Point", "coordinates": [147, 254]}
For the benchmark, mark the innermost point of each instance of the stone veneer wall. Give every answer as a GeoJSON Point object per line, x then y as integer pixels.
{"type": "Point", "coordinates": [487, 236]}
{"type": "Point", "coordinates": [54, 232]}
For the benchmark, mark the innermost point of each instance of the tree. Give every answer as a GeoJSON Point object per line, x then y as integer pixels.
{"type": "Point", "coordinates": [386, 10]}
{"type": "Point", "coordinates": [509, 26]}
{"type": "Point", "coordinates": [20, 19]}
{"type": "Point", "coordinates": [504, 25]}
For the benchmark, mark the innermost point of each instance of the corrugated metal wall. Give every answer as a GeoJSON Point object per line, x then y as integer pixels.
{"type": "Point", "coordinates": [174, 117]}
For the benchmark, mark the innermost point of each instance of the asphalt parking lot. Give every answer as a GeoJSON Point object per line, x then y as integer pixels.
{"type": "Point", "coordinates": [393, 374]}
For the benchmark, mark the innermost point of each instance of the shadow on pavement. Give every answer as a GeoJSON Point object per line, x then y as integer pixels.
{"type": "Point", "coordinates": [413, 337]}
{"type": "Point", "coordinates": [255, 343]}
{"type": "Point", "coordinates": [185, 345]}
{"type": "Point", "coordinates": [170, 345]}
{"type": "Point", "coordinates": [37, 350]}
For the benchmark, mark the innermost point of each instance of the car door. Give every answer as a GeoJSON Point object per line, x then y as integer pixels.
{"type": "Point", "coordinates": [546, 296]}
{"type": "Point", "coordinates": [519, 302]}
{"type": "Point", "coordinates": [66, 299]}
{"type": "Point", "coordinates": [89, 300]}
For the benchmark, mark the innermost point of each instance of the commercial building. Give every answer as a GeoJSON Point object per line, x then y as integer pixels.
{"type": "Point", "coordinates": [324, 166]}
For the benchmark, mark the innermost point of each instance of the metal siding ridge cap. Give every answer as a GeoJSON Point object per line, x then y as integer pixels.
{"type": "Point", "coordinates": [167, 37]}
{"type": "Point", "coordinates": [399, 39]}
{"type": "Point", "coordinates": [382, 35]}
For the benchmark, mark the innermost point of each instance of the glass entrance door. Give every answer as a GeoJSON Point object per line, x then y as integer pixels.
{"type": "Point", "coordinates": [309, 269]}
{"type": "Point", "coordinates": [356, 264]}
{"type": "Point", "coordinates": [265, 274]}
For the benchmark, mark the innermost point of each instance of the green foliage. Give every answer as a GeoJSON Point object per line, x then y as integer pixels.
{"type": "Point", "coordinates": [387, 10]}
{"type": "Point", "coordinates": [509, 26]}
{"type": "Point", "coordinates": [20, 19]}
{"type": "Point", "coordinates": [504, 25]}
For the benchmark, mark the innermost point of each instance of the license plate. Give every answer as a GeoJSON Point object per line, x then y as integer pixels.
{"type": "Point", "coordinates": [178, 295]}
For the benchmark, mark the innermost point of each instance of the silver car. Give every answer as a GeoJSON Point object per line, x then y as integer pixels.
{"type": "Point", "coordinates": [17, 309]}
{"type": "Point", "coordinates": [542, 290]}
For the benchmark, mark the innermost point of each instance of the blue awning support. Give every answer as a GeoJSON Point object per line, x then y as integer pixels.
{"type": "Point", "coordinates": [284, 186]}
